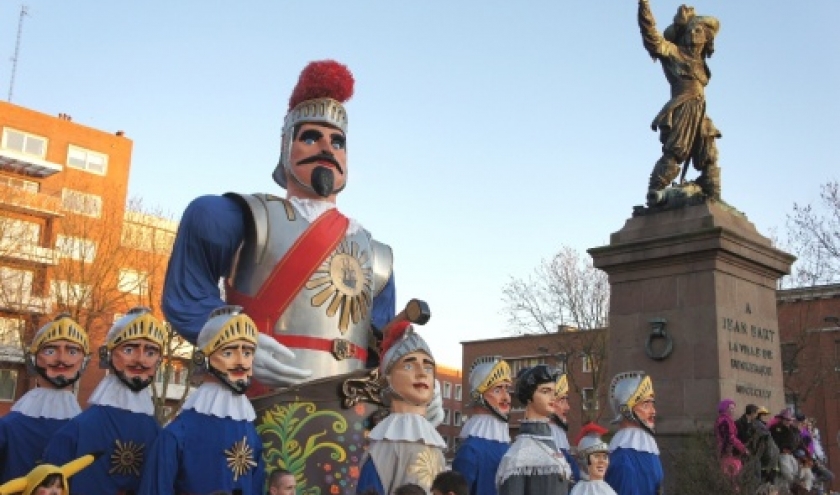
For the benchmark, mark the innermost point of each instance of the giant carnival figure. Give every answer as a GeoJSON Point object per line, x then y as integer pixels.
{"type": "Point", "coordinates": [485, 437]}
{"type": "Point", "coordinates": [212, 445]}
{"type": "Point", "coordinates": [57, 356]}
{"type": "Point", "coordinates": [559, 423]}
{"type": "Point", "coordinates": [533, 464]}
{"type": "Point", "coordinates": [120, 420]}
{"type": "Point", "coordinates": [635, 468]}
{"type": "Point", "coordinates": [404, 447]}
{"type": "Point", "coordinates": [318, 286]}
{"type": "Point", "coordinates": [685, 130]}
{"type": "Point", "coordinates": [593, 455]}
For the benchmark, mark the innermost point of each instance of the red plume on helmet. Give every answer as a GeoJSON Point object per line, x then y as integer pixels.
{"type": "Point", "coordinates": [590, 429]}
{"type": "Point", "coordinates": [323, 79]}
{"type": "Point", "coordinates": [394, 334]}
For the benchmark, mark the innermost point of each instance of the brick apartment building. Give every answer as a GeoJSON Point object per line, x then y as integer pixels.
{"type": "Point", "coordinates": [68, 240]}
{"type": "Point", "coordinates": [452, 391]}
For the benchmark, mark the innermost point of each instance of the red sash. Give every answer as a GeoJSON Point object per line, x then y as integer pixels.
{"type": "Point", "coordinates": [291, 273]}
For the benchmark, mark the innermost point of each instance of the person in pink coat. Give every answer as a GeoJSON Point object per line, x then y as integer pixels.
{"type": "Point", "coordinates": [729, 447]}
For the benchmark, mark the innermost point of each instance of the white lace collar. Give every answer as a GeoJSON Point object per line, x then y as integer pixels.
{"type": "Point", "coordinates": [486, 426]}
{"type": "Point", "coordinates": [311, 209]}
{"type": "Point", "coordinates": [112, 392]}
{"type": "Point", "coordinates": [48, 403]}
{"type": "Point", "coordinates": [407, 427]}
{"type": "Point", "coordinates": [599, 487]}
{"type": "Point", "coordinates": [634, 438]}
{"type": "Point", "coordinates": [215, 399]}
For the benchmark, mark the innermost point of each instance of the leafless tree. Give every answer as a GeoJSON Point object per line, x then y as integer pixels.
{"type": "Point", "coordinates": [567, 295]}
{"type": "Point", "coordinates": [813, 235]}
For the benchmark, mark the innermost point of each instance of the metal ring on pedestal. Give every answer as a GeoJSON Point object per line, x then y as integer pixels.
{"type": "Point", "coordinates": [658, 332]}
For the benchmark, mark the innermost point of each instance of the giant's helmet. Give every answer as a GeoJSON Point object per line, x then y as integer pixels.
{"type": "Point", "coordinates": [485, 373]}
{"type": "Point", "coordinates": [322, 89]}
{"type": "Point", "coordinates": [626, 390]}
{"type": "Point", "coordinates": [225, 325]}
{"type": "Point", "coordinates": [400, 340]}
{"type": "Point", "coordinates": [62, 327]}
{"type": "Point", "coordinates": [27, 485]}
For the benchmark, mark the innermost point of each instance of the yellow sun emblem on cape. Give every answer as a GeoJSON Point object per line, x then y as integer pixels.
{"type": "Point", "coordinates": [240, 458]}
{"type": "Point", "coordinates": [345, 280]}
{"type": "Point", "coordinates": [127, 458]}
{"type": "Point", "coordinates": [425, 467]}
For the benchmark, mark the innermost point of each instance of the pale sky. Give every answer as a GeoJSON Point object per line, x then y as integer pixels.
{"type": "Point", "coordinates": [483, 134]}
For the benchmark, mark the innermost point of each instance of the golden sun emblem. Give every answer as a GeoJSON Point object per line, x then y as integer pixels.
{"type": "Point", "coordinates": [345, 280]}
{"type": "Point", "coordinates": [425, 467]}
{"type": "Point", "coordinates": [240, 458]}
{"type": "Point", "coordinates": [127, 458]}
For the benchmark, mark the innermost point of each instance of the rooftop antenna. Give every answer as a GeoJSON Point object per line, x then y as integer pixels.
{"type": "Point", "coordinates": [24, 11]}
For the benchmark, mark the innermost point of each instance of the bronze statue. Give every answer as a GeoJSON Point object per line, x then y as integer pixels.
{"type": "Point", "coordinates": [686, 132]}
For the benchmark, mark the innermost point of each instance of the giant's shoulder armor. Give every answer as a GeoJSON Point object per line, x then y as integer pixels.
{"type": "Point", "coordinates": [333, 308]}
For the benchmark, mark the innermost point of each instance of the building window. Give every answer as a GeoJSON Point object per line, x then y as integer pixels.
{"type": "Point", "coordinates": [586, 363]}
{"type": "Point", "coordinates": [590, 399]}
{"type": "Point", "coordinates": [445, 417]}
{"type": "Point", "coordinates": [23, 142]}
{"type": "Point", "coordinates": [15, 285]}
{"type": "Point", "coordinates": [15, 233]}
{"type": "Point", "coordinates": [11, 330]}
{"type": "Point", "coordinates": [458, 392]}
{"type": "Point", "coordinates": [83, 159]}
{"type": "Point", "coordinates": [445, 440]}
{"type": "Point", "coordinates": [8, 385]}
{"type": "Point", "coordinates": [76, 248]}
{"type": "Point", "coordinates": [456, 421]}
{"type": "Point", "coordinates": [81, 203]}
{"type": "Point", "coordinates": [456, 442]}
{"type": "Point", "coordinates": [447, 390]}
{"type": "Point", "coordinates": [789, 351]}
{"type": "Point", "coordinates": [517, 365]}
{"type": "Point", "coordinates": [133, 282]}
{"type": "Point", "coordinates": [70, 294]}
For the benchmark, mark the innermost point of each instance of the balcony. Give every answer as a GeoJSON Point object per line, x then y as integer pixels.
{"type": "Point", "coordinates": [31, 203]}
{"type": "Point", "coordinates": [11, 353]}
{"type": "Point", "coordinates": [29, 252]}
{"type": "Point", "coordinates": [20, 163]}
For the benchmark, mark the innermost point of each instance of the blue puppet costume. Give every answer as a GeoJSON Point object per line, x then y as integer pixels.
{"type": "Point", "coordinates": [213, 445]}
{"type": "Point", "coordinates": [120, 421]}
{"type": "Point", "coordinates": [635, 468]}
{"type": "Point", "coordinates": [58, 355]}
{"type": "Point", "coordinates": [485, 436]}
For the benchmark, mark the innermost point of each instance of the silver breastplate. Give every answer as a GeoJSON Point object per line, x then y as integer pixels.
{"type": "Point", "coordinates": [330, 316]}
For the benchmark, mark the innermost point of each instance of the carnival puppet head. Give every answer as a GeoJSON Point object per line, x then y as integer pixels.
{"type": "Point", "coordinates": [535, 389]}
{"type": "Point", "coordinates": [226, 347]}
{"type": "Point", "coordinates": [408, 367]}
{"type": "Point", "coordinates": [46, 478]}
{"type": "Point", "coordinates": [632, 399]}
{"type": "Point", "coordinates": [59, 352]}
{"type": "Point", "coordinates": [561, 402]}
{"type": "Point", "coordinates": [133, 348]}
{"type": "Point", "coordinates": [490, 385]}
{"type": "Point", "coordinates": [592, 452]}
{"type": "Point", "coordinates": [313, 155]}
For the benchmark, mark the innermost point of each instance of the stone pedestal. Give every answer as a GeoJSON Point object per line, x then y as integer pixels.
{"type": "Point", "coordinates": [708, 278]}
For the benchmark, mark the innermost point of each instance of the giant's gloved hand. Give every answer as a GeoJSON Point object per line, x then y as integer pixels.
{"type": "Point", "coordinates": [434, 411]}
{"type": "Point", "coordinates": [268, 367]}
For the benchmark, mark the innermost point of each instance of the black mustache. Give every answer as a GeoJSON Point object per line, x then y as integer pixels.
{"type": "Point", "coordinates": [322, 157]}
{"type": "Point", "coordinates": [239, 369]}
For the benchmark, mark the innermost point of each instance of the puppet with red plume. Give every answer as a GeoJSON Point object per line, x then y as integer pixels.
{"type": "Point", "coordinates": [593, 454]}
{"type": "Point", "coordinates": [318, 98]}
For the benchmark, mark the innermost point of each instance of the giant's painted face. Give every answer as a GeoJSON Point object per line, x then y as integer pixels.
{"type": "Point", "coordinates": [542, 402]}
{"type": "Point", "coordinates": [136, 362]}
{"type": "Point", "coordinates": [317, 145]}
{"type": "Point", "coordinates": [498, 396]}
{"type": "Point", "coordinates": [645, 410]}
{"type": "Point", "coordinates": [413, 378]}
{"type": "Point", "coordinates": [233, 363]}
{"type": "Point", "coordinates": [598, 464]}
{"type": "Point", "coordinates": [61, 361]}
{"type": "Point", "coordinates": [561, 407]}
